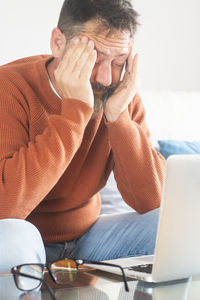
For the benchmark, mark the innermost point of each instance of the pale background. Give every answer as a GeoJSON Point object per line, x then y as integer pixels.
{"type": "Point", "coordinates": [168, 39]}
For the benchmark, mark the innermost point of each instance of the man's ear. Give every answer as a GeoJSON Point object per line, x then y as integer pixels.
{"type": "Point", "coordinates": [58, 42]}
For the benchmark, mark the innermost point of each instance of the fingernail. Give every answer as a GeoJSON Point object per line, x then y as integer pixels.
{"type": "Point", "coordinates": [75, 41]}
{"type": "Point", "coordinates": [91, 44]}
{"type": "Point", "coordinates": [84, 39]}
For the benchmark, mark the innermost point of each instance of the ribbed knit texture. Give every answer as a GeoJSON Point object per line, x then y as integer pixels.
{"type": "Point", "coordinates": [54, 158]}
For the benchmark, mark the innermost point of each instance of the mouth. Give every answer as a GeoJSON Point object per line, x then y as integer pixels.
{"type": "Point", "coordinates": [98, 89]}
{"type": "Point", "coordinates": [96, 92]}
{"type": "Point", "coordinates": [102, 91]}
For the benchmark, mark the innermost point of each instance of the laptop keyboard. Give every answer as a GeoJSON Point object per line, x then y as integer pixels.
{"type": "Point", "coordinates": [147, 268]}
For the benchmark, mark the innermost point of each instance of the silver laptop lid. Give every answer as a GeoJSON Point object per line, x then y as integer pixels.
{"type": "Point", "coordinates": [177, 253]}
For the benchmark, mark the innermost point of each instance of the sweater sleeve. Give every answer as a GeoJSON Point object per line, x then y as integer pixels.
{"type": "Point", "coordinates": [30, 169]}
{"type": "Point", "coordinates": [138, 168]}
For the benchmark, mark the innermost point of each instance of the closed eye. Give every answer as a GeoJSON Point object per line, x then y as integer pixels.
{"type": "Point", "coordinates": [118, 64]}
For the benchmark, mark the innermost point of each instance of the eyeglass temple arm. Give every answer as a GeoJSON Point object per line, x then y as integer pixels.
{"type": "Point", "coordinates": [51, 292]}
{"type": "Point", "coordinates": [50, 273]}
{"type": "Point", "coordinates": [110, 265]}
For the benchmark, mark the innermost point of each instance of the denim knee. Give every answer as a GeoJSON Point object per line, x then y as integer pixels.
{"type": "Point", "coordinates": [20, 242]}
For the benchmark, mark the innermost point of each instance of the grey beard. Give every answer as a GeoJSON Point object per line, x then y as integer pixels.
{"type": "Point", "coordinates": [100, 100]}
{"type": "Point", "coordinates": [98, 105]}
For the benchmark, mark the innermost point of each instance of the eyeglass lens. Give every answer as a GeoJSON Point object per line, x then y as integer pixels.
{"type": "Point", "coordinates": [65, 270]}
{"type": "Point", "coordinates": [25, 283]}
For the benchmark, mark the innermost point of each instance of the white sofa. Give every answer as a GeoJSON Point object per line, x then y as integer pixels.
{"type": "Point", "coordinates": [170, 116]}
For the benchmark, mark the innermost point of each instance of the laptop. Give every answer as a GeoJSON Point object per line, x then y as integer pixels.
{"type": "Point", "coordinates": [175, 290]}
{"type": "Point", "coordinates": [177, 249]}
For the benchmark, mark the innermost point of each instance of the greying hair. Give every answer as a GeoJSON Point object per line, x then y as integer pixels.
{"type": "Point", "coordinates": [110, 14]}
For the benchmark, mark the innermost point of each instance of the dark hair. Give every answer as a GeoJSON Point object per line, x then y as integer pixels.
{"type": "Point", "coordinates": [111, 14]}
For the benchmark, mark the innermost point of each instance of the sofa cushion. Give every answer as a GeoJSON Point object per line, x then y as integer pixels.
{"type": "Point", "coordinates": [111, 199]}
{"type": "Point", "coordinates": [169, 147]}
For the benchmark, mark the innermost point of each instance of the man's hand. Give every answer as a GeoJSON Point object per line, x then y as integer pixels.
{"type": "Point", "coordinates": [75, 69]}
{"type": "Point", "coordinates": [125, 92]}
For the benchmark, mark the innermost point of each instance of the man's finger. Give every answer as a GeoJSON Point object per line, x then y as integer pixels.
{"type": "Point", "coordinates": [84, 58]}
{"type": "Point", "coordinates": [130, 60]}
{"type": "Point", "coordinates": [73, 53]}
{"type": "Point", "coordinates": [135, 65]}
{"type": "Point", "coordinates": [86, 71]}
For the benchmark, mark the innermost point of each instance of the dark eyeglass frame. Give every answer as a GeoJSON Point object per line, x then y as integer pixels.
{"type": "Point", "coordinates": [16, 272]}
{"type": "Point", "coordinates": [80, 262]}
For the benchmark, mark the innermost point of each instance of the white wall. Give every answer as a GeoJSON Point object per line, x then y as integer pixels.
{"type": "Point", "coordinates": [169, 44]}
{"type": "Point", "coordinates": [25, 27]}
{"type": "Point", "coordinates": [168, 39]}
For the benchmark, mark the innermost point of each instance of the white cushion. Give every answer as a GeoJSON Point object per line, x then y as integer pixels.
{"type": "Point", "coordinates": [112, 201]}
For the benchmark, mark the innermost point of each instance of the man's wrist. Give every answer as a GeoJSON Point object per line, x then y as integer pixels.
{"type": "Point", "coordinates": [111, 117]}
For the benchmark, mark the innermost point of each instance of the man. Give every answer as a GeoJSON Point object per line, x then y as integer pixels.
{"type": "Point", "coordinates": [66, 122]}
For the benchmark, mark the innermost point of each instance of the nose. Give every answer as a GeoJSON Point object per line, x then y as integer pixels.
{"type": "Point", "coordinates": [104, 74]}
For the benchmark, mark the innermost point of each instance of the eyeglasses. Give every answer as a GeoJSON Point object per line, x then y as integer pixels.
{"type": "Point", "coordinates": [29, 277]}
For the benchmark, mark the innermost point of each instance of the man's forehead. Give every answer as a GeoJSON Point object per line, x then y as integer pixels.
{"type": "Point", "coordinates": [106, 41]}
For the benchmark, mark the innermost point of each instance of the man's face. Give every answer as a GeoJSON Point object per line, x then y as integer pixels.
{"type": "Point", "coordinates": [112, 53]}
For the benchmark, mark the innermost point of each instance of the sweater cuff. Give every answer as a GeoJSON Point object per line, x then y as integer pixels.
{"type": "Point", "coordinates": [123, 129]}
{"type": "Point", "coordinates": [74, 109]}
{"type": "Point", "coordinates": [122, 120]}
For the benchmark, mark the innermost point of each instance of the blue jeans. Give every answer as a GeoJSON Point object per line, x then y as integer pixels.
{"type": "Point", "coordinates": [112, 236]}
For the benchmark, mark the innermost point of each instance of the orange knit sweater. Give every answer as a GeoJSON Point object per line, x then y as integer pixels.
{"type": "Point", "coordinates": [54, 158]}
